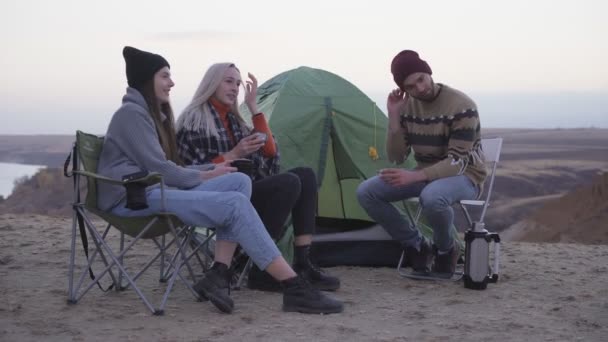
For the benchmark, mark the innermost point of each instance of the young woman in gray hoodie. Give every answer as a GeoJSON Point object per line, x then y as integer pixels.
{"type": "Point", "coordinates": [141, 137]}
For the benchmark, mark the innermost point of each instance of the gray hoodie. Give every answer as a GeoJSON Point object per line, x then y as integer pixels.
{"type": "Point", "coordinates": [131, 145]}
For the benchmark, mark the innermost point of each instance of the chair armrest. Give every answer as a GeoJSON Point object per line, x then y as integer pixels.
{"type": "Point", "coordinates": [151, 179]}
{"type": "Point", "coordinates": [98, 177]}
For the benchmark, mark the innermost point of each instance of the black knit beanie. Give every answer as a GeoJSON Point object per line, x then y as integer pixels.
{"type": "Point", "coordinates": [141, 65]}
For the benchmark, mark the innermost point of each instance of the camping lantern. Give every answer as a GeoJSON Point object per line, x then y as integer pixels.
{"type": "Point", "coordinates": [477, 270]}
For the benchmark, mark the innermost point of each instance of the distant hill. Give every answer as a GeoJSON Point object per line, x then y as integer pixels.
{"type": "Point", "coordinates": [579, 216]}
{"type": "Point", "coordinates": [47, 150]}
{"type": "Point", "coordinates": [536, 168]}
{"type": "Point", "coordinates": [47, 192]}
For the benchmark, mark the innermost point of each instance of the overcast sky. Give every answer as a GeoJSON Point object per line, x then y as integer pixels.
{"type": "Point", "coordinates": [526, 63]}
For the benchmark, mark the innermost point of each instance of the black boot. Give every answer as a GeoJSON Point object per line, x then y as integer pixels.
{"type": "Point", "coordinates": [312, 273]}
{"type": "Point", "coordinates": [300, 296]}
{"type": "Point", "coordinates": [215, 286]}
{"type": "Point", "coordinates": [445, 263]}
{"type": "Point", "coordinates": [262, 281]}
{"type": "Point", "coordinates": [420, 257]}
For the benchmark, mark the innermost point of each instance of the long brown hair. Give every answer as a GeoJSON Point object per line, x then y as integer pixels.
{"type": "Point", "coordinates": [164, 128]}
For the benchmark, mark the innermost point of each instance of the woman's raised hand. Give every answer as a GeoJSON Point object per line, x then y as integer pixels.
{"type": "Point", "coordinates": [251, 93]}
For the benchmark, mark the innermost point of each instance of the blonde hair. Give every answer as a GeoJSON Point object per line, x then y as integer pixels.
{"type": "Point", "coordinates": [197, 116]}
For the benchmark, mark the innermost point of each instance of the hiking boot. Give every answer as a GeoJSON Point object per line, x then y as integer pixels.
{"type": "Point", "coordinates": [420, 259]}
{"type": "Point", "coordinates": [445, 263]}
{"type": "Point", "coordinates": [300, 296]}
{"type": "Point", "coordinates": [215, 286]}
{"type": "Point", "coordinates": [262, 281]}
{"type": "Point", "coordinates": [317, 277]}
{"type": "Point", "coordinates": [312, 273]}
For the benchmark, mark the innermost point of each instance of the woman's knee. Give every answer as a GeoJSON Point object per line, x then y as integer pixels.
{"type": "Point", "coordinates": [238, 199]}
{"type": "Point", "coordinates": [237, 204]}
{"type": "Point", "coordinates": [307, 176]}
{"type": "Point", "coordinates": [289, 182]}
{"type": "Point", "coordinates": [242, 183]}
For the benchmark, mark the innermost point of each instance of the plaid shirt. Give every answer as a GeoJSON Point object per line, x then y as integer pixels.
{"type": "Point", "coordinates": [196, 147]}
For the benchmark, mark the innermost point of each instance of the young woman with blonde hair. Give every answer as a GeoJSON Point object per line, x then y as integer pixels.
{"type": "Point", "coordinates": [212, 130]}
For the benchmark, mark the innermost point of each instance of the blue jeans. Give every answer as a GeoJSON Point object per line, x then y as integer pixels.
{"type": "Point", "coordinates": [221, 202]}
{"type": "Point", "coordinates": [436, 199]}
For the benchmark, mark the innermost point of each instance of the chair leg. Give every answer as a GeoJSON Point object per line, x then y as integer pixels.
{"type": "Point", "coordinates": [102, 245]}
{"type": "Point", "coordinates": [90, 260]}
{"type": "Point", "coordinates": [414, 220]}
{"type": "Point", "coordinates": [71, 294]}
{"type": "Point", "coordinates": [401, 260]}
{"type": "Point", "coordinates": [163, 247]}
{"type": "Point", "coordinates": [162, 278]}
{"type": "Point", "coordinates": [119, 287]}
{"type": "Point", "coordinates": [187, 239]}
{"type": "Point", "coordinates": [198, 257]}
{"type": "Point", "coordinates": [170, 261]}
{"type": "Point", "coordinates": [178, 261]}
{"type": "Point", "coordinates": [243, 274]}
{"type": "Point", "coordinates": [111, 259]}
{"type": "Point", "coordinates": [126, 275]}
{"type": "Point", "coordinates": [200, 246]}
{"type": "Point", "coordinates": [467, 215]}
{"type": "Point", "coordinates": [165, 269]}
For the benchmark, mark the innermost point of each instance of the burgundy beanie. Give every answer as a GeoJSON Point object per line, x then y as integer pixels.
{"type": "Point", "coordinates": [141, 65]}
{"type": "Point", "coordinates": [406, 63]}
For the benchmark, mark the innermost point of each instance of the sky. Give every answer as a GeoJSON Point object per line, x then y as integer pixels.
{"type": "Point", "coordinates": [533, 64]}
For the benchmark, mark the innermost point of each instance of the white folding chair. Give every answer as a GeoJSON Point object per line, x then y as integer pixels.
{"type": "Point", "coordinates": [491, 149]}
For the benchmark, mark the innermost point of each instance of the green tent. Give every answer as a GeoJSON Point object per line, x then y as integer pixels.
{"type": "Point", "coordinates": [323, 121]}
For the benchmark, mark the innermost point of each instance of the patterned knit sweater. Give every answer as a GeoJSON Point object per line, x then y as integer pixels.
{"type": "Point", "coordinates": [444, 135]}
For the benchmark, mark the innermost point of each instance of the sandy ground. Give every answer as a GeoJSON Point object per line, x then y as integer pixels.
{"type": "Point", "coordinates": [547, 292]}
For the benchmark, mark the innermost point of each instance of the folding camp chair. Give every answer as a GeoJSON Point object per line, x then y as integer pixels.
{"type": "Point", "coordinates": [491, 148]}
{"type": "Point", "coordinates": [172, 253]}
